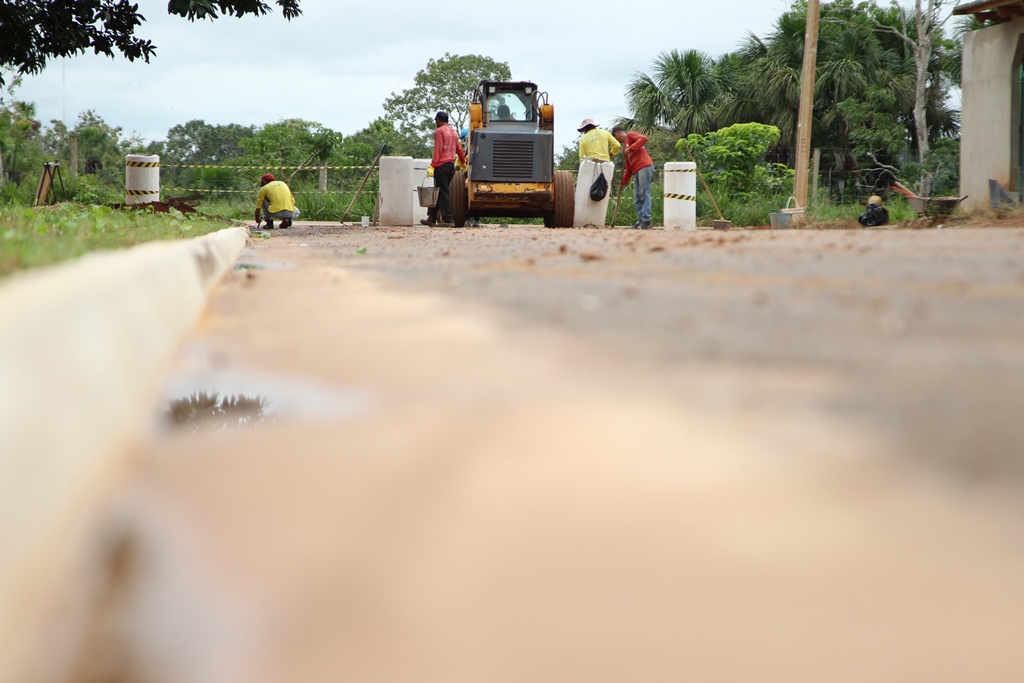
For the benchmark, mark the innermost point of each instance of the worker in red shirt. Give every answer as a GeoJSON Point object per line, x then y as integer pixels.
{"type": "Point", "coordinates": [446, 149]}
{"type": "Point", "coordinates": [639, 167]}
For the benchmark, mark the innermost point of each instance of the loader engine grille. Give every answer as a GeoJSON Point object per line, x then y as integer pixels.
{"type": "Point", "coordinates": [513, 160]}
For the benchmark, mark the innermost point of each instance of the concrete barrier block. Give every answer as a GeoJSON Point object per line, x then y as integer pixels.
{"type": "Point", "coordinates": [83, 347]}
{"type": "Point", "coordinates": [396, 186]}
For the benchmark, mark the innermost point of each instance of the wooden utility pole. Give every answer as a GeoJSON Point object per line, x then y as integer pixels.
{"type": "Point", "coordinates": [73, 161]}
{"type": "Point", "coordinates": [805, 122]}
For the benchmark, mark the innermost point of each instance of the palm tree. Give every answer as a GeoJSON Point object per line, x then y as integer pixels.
{"type": "Point", "coordinates": [682, 95]}
{"type": "Point", "coordinates": [689, 92]}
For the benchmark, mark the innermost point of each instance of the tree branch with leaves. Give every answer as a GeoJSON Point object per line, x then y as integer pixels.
{"type": "Point", "coordinates": [446, 84]}
{"type": "Point", "coordinates": [34, 31]}
{"type": "Point", "coordinates": [920, 34]}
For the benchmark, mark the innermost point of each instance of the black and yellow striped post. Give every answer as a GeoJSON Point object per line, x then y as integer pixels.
{"type": "Point", "coordinates": [142, 179]}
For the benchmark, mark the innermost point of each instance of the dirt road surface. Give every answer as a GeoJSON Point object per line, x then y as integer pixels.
{"type": "Point", "coordinates": [518, 454]}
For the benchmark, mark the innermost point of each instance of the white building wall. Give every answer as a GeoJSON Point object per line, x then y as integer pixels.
{"type": "Point", "coordinates": [988, 118]}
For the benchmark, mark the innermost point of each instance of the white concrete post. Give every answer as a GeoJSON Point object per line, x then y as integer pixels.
{"type": "Point", "coordinates": [680, 195]}
{"type": "Point", "coordinates": [419, 178]}
{"type": "Point", "coordinates": [396, 185]}
{"type": "Point", "coordinates": [589, 212]}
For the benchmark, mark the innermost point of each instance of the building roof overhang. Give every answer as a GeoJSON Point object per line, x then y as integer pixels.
{"type": "Point", "coordinates": [996, 11]}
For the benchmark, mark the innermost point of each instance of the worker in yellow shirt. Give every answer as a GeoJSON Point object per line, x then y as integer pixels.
{"type": "Point", "coordinates": [275, 200]}
{"type": "Point", "coordinates": [597, 143]}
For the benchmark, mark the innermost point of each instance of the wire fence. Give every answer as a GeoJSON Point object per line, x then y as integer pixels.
{"type": "Point", "coordinates": [321, 189]}
{"type": "Point", "coordinates": [265, 167]}
{"type": "Point", "coordinates": [838, 180]}
{"type": "Point", "coordinates": [203, 190]}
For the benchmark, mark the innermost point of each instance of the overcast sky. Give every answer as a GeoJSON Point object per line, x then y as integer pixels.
{"type": "Point", "coordinates": [338, 62]}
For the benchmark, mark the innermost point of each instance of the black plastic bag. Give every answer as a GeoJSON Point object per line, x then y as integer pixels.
{"type": "Point", "coordinates": [873, 216]}
{"type": "Point", "coordinates": [599, 189]}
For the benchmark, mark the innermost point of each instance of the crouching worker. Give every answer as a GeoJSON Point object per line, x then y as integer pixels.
{"type": "Point", "coordinates": [275, 200]}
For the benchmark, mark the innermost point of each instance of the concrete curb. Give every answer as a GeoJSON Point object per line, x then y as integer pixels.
{"type": "Point", "coordinates": [82, 349]}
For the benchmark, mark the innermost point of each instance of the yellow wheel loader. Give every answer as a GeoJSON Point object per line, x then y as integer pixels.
{"type": "Point", "coordinates": [511, 159]}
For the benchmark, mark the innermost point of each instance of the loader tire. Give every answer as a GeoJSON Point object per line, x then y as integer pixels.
{"type": "Point", "coordinates": [565, 201]}
{"type": "Point", "coordinates": [457, 191]}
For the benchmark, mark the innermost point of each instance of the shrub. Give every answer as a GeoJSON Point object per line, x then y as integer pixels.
{"type": "Point", "coordinates": [734, 157]}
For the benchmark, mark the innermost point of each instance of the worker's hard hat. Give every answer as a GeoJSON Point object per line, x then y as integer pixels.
{"type": "Point", "coordinates": [875, 199]}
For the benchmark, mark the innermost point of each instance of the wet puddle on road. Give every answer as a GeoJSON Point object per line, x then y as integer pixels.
{"type": "Point", "coordinates": [222, 400]}
{"type": "Point", "coordinates": [253, 265]}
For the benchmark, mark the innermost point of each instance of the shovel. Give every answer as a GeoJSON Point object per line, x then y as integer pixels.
{"type": "Point", "coordinates": [615, 213]}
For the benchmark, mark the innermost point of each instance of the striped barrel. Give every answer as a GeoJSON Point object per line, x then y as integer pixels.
{"type": "Point", "coordinates": [680, 195]}
{"type": "Point", "coordinates": [142, 179]}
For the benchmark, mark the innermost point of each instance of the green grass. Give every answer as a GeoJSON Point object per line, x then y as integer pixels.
{"type": "Point", "coordinates": [32, 237]}
{"type": "Point", "coordinates": [331, 206]}
{"type": "Point", "coordinates": [315, 206]}
{"type": "Point", "coordinates": [230, 207]}
{"type": "Point", "coordinates": [826, 212]}
{"type": "Point", "coordinates": [755, 210]}
{"type": "Point", "coordinates": [742, 211]}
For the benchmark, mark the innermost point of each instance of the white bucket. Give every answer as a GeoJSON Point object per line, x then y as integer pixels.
{"type": "Point", "coordinates": [795, 215]}
{"type": "Point", "coordinates": [142, 179]}
{"type": "Point", "coordinates": [680, 195]}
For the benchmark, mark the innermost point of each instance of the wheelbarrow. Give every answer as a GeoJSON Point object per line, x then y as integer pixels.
{"type": "Point", "coordinates": [929, 206]}
{"type": "Point", "coordinates": [934, 206]}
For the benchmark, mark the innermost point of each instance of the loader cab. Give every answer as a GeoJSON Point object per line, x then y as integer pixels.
{"type": "Point", "coordinates": [509, 103]}
{"type": "Point", "coordinates": [508, 141]}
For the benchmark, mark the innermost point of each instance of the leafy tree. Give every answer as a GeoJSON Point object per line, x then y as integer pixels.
{"type": "Point", "coordinates": [381, 132]}
{"type": "Point", "coordinates": [20, 145]}
{"type": "Point", "coordinates": [55, 140]}
{"type": "Point", "coordinates": [682, 95]}
{"type": "Point", "coordinates": [876, 134]}
{"type": "Point", "coordinates": [736, 155]}
{"type": "Point", "coordinates": [446, 84]}
{"type": "Point", "coordinates": [208, 9]}
{"type": "Point", "coordinates": [921, 31]}
{"type": "Point", "coordinates": [942, 166]}
{"type": "Point", "coordinates": [36, 30]}
{"type": "Point", "coordinates": [198, 142]}
{"type": "Point", "coordinates": [569, 158]}
{"type": "Point", "coordinates": [214, 179]}
{"type": "Point", "coordinates": [866, 93]}
{"type": "Point", "coordinates": [305, 144]}
{"type": "Point", "coordinates": [291, 142]}
{"type": "Point", "coordinates": [99, 144]}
